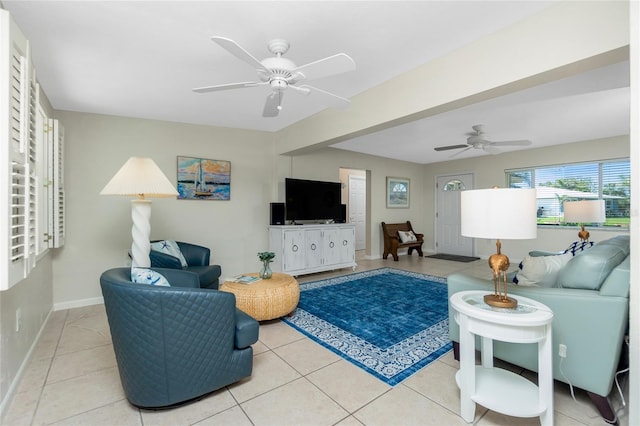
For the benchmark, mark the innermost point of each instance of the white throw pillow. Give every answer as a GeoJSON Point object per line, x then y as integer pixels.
{"type": "Point", "coordinates": [541, 271]}
{"type": "Point", "coordinates": [171, 248]}
{"type": "Point", "coordinates": [407, 236]}
{"type": "Point", "coordinates": [147, 276]}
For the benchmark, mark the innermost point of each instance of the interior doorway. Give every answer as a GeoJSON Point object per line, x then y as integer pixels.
{"type": "Point", "coordinates": [448, 237]}
{"type": "Point", "coordinates": [354, 195]}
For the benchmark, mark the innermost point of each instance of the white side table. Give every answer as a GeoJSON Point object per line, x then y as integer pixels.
{"type": "Point", "coordinates": [494, 388]}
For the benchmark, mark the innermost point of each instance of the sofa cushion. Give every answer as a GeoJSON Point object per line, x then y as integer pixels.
{"type": "Point", "coordinates": [407, 236]}
{"type": "Point", "coordinates": [588, 269]}
{"type": "Point", "coordinates": [147, 276]}
{"type": "Point", "coordinates": [622, 241]}
{"type": "Point", "coordinates": [171, 248]}
{"type": "Point", "coordinates": [541, 271]}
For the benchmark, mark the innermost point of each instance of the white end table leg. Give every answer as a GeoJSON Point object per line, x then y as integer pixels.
{"type": "Point", "coordinates": [467, 370]}
{"type": "Point", "coordinates": [545, 377]}
{"type": "Point", "coordinates": [487, 352]}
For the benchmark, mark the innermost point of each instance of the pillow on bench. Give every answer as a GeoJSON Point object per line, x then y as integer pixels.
{"type": "Point", "coordinates": [407, 236]}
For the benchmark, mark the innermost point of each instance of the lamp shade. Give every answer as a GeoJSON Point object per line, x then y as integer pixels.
{"type": "Point", "coordinates": [140, 177]}
{"type": "Point", "coordinates": [498, 213]}
{"type": "Point", "coordinates": [585, 211]}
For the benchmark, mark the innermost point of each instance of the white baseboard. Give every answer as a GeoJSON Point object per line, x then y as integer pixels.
{"type": "Point", "coordinates": [6, 401]}
{"type": "Point", "coordinates": [78, 303]}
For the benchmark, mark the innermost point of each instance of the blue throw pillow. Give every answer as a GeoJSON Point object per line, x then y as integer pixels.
{"type": "Point", "coordinates": [148, 276]}
{"type": "Point", "coordinates": [171, 248]}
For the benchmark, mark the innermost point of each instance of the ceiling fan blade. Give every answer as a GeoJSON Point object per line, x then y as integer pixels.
{"type": "Point", "coordinates": [460, 152]}
{"type": "Point", "coordinates": [228, 86]}
{"type": "Point", "coordinates": [334, 101]}
{"type": "Point", "coordinates": [273, 104]}
{"type": "Point", "coordinates": [236, 50]}
{"type": "Point", "coordinates": [490, 149]}
{"type": "Point", "coordinates": [331, 65]}
{"type": "Point", "coordinates": [522, 142]}
{"type": "Point", "coordinates": [446, 148]}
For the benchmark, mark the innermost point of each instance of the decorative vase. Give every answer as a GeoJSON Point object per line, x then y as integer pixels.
{"type": "Point", "coordinates": [265, 272]}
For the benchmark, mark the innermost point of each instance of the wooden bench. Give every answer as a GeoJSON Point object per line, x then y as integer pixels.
{"type": "Point", "coordinates": [392, 241]}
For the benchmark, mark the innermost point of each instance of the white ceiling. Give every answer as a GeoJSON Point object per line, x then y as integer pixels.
{"type": "Point", "coordinates": [142, 58]}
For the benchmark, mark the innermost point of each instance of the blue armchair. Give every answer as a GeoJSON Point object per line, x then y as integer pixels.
{"type": "Point", "coordinates": [175, 344]}
{"type": "Point", "coordinates": [197, 258]}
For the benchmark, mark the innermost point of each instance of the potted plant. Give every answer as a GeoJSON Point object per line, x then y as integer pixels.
{"type": "Point", "coordinates": [266, 257]}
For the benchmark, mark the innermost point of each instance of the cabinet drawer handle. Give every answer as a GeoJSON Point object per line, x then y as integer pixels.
{"type": "Point", "coordinates": [331, 244]}
{"type": "Point", "coordinates": [294, 248]}
{"type": "Point", "coordinates": [345, 242]}
{"type": "Point", "coordinates": [313, 246]}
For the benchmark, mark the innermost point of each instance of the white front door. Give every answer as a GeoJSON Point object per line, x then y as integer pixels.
{"type": "Point", "coordinates": [448, 237]}
{"type": "Point", "coordinates": [357, 208]}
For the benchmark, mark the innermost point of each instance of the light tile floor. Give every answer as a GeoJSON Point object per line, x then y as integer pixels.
{"type": "Point", "coordinates": [72, 379]}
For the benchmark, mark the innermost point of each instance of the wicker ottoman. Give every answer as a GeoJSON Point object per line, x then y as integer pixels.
{"type": "Point", "coordinates": [266, 299]}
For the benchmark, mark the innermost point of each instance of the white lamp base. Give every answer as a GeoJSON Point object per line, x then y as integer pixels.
{"type": "Point", "coordinates": [141, 231]}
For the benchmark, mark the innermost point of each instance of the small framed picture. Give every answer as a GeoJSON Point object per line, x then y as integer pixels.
{"type": "Point", "coordinates": [203, 179]}
{"type": "Point", "coordinates": [397, 193]}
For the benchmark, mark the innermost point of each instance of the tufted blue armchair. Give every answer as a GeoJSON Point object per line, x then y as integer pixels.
{"type": "Point", "coordinates": [174, 344]}
{"type": "Point", "coordinates": [197, 258]}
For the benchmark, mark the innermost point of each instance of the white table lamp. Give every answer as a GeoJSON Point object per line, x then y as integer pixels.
{"type": "Point", "coordinates": [142, 178]}
{"type": "Point", "coordinates": [501, 214]}
{"type": "Point", "coordinates": [584, 211]}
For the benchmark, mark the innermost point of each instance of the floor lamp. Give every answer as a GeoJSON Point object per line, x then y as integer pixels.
{"type": "Point", "coordinates": [584, 211]}
{"type": "Point", "coordinates": [141, 178]}
{"type": "Point", "coordinates": [501, 214]}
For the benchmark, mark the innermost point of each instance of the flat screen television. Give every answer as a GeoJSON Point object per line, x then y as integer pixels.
{"type": "Point", "coordinates": [312, 200]}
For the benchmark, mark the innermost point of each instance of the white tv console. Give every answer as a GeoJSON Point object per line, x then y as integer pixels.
{"type": "Point", "coordinates": [305, 249]}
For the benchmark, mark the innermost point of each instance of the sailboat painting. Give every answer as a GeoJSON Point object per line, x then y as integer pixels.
{"type": "Point", "coordinates": [203, 179]}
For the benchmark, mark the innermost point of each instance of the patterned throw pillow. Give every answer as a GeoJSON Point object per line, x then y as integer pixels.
{"type": "Point", "coordinates": [541, 271]}
{"type": "Point", "coordinates": [407, 236]}
{"type": "Point", "coordinates": [578, 246]}
{"type": "Point", "coordinates": [147, 276]}
{"type": "Point", "coordinates": [171, 248]}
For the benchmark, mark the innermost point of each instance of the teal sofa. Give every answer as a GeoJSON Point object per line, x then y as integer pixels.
{"type": "Point", "coordinates": [590, 303]}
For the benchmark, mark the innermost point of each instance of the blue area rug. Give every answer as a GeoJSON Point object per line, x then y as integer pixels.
{"type": "Point", "coordinates": [390, 323]}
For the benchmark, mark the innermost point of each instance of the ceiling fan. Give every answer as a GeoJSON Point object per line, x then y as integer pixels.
{"type": "Point", "coordinates": [477, 140]}
{"type": "Point", "coordinates": [280, 74]}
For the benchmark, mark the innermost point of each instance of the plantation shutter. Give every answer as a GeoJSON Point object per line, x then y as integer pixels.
{"type": "Point", "coordinates": [56, 184]}
{"type": "Point", "coordinates": [32, 206]}
{"type": "Point", "coordinates": [16, 83]}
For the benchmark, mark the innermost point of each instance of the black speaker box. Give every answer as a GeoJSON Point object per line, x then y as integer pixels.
{"type": "Point", "coordinates": [343, 214]}
{"type": "Point", "coordinates": [276, 214]}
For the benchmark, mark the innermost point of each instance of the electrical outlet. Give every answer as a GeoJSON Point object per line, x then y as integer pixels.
{"type": "Point", "coordinates": [562, 351]}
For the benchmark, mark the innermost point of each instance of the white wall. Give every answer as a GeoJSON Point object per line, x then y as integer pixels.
{"type": "Point", "coordinates": [325, 164]}
{"type": "Point", "coordinates": [98, 228]}
{"type": "Point", "coordinates": [489, 170]}
{"type": "Point", "coordinates": [33, 296]}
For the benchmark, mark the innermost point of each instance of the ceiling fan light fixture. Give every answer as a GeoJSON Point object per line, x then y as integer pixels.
{"type": "Point", "coordinates": [281, 73]}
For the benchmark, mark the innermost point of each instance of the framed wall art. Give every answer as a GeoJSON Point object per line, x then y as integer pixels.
{"type": "Point", "coordinates": [203, 179]}
{"type": "Point", "coordinates": [397, 192]}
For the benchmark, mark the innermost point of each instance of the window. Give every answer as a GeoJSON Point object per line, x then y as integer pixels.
{"type": "Point", "coordinates": [454, 185]}
{"type": "Point", "coordinates": [607, 180]}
